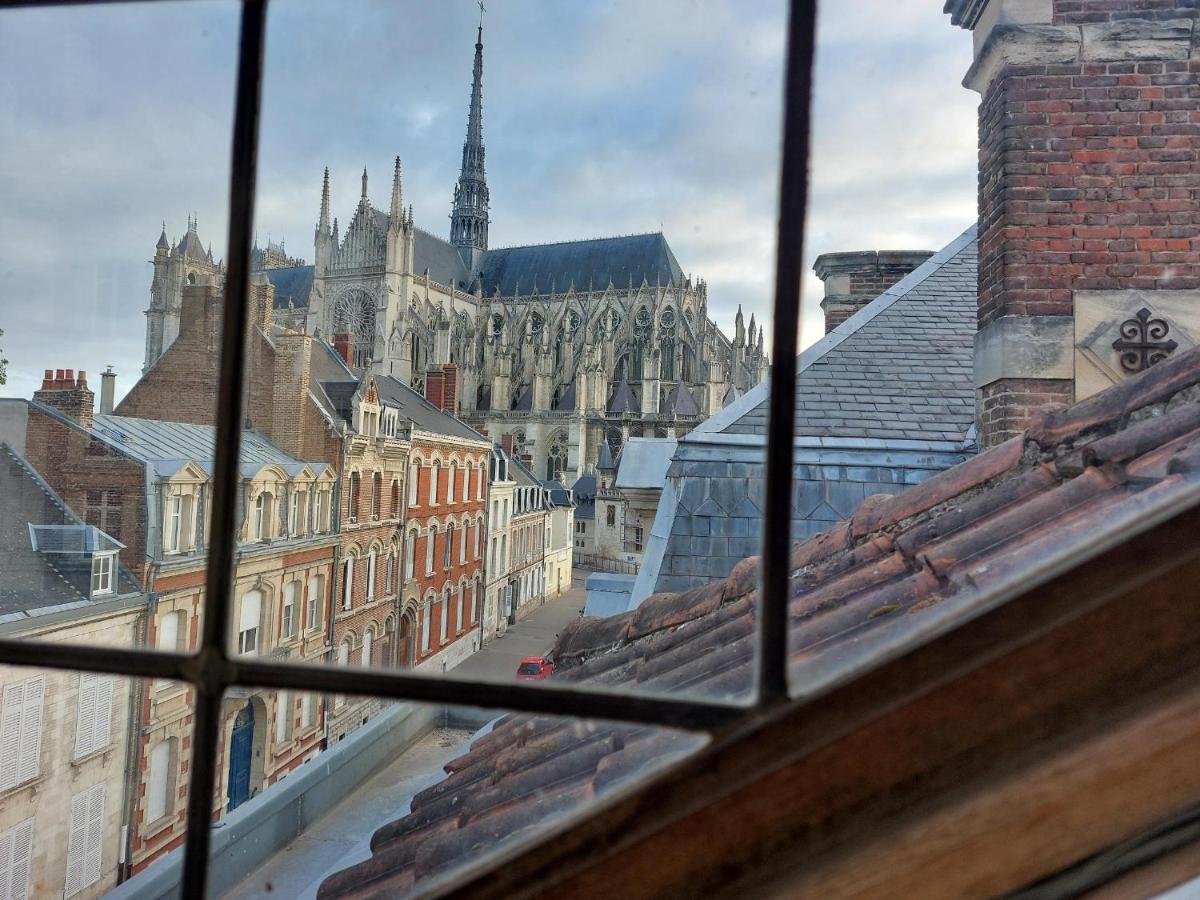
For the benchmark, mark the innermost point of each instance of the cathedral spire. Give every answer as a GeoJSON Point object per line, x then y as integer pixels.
{"type": "Point", "coordinates": [363, 199]}
{"type": "Point", "coordinates": [396, 213]}
{"type": "Point", "coordinates": [469, 217]}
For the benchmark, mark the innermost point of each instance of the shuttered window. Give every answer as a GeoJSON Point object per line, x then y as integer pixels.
{"type": "Point", "coordinates": [158, 797]}
{"type": "Point", "coordinates": [308, 711]}
{"type": "Point", "coordinates": [93, 725]}
{"type": "Point", "coordinates": [16, 856]}
{"type": "Point", "coordinates": [21, 731]}
{"type": "Point", "coordinates": [85, 841]}
{"type": "Point", "coordinates": [283, 718]}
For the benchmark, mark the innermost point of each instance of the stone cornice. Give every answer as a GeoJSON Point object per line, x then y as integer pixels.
{"type": "Point", "coordinates": [1027, 45]}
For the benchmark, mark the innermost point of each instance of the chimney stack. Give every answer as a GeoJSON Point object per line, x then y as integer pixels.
{"type": "Point", "coordinates": [855, 278]}
{"type": "Point", "coordinates": [508, 444]}
{"type": "Point", "coordinates": [435, 387]}
{"type": "Point", "coordinates": [450, 388]}
{"type": "Point", "coordinates": [1088, 141]}
{"type": "Point", "coordinates": [108, 390]}
{"type": "Point", "coordinates": [343, 345]}
{"type": "Point", "coordinates": [63, 391]}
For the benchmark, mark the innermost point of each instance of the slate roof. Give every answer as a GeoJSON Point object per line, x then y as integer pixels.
{"type": "Point", "coordinates": [644, 462]}
{"type": "Point", "coordinates": [900, 368]}
{"type": "Point", "coordinates": [292, 286]}
{"type": "Point", "coordinates": [1078, 483]}
{"type": "Point", "coordinates": [584, 493]}
{"type": "Point", "coordinates": [168, 445]}
{"type": "Point", "coordinates": [421, 412]}
{"type": "Point", "coordinates": [680, 401]}
{"type": "Point", "coordinates": [589, 263]}
{"type": "Point", "coordinates": [623, 399]}
{"type": "Point", "coordinates": [441, 258]}
{"type": "Point", "coordinates": [190, 245]}
{"type": "Point", "coordinates": [31, 512]}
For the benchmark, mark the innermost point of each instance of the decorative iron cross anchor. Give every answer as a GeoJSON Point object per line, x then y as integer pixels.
{"type": "Point", "coordinates": [1141, 344]}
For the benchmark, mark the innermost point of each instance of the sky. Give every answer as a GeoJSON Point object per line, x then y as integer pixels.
{"type": "Point", "coordinates": [602, 117]}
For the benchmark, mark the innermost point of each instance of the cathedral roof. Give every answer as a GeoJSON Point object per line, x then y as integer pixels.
{"type": "Point", "coordinates": [517, 271]}
{"type": "Point", "coordinates": [441, 258]}
{"type": "Point", "coordinates": [191, 246]}
{"type": "Point", "coordinates": [524, 401]}
{"type": "Point", "coordinates": [680, 402]}
{"type": "Point", "coordinates": [623, 399]}
{"type": "Point", "coordinates": [567, 400]}
{"type": "Point", "coordinates": [292, 286]}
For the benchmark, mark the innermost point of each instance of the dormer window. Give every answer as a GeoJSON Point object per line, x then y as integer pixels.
{"type": "Point", "coordinates": [262, 517]}
{"type": "Point", "coordinates": [102, 573]}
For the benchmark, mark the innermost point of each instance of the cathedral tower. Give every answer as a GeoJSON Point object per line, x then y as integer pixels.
{"type": "Point", "coordinates": [469, 218]}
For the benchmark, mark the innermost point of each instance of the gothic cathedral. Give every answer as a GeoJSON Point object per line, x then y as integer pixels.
{"type": "Point", "coordinates": [565, 346]}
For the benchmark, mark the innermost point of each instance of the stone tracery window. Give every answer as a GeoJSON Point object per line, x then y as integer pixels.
{"type": "Point", "coordinates": [556, 457]}
{"type": "Point", "coordinates": [354, 314]}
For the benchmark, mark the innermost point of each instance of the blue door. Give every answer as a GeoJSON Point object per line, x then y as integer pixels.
{"type": "Point", "coordinates": [241, 746]}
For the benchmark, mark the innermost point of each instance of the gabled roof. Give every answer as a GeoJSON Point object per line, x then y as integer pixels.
{"type": "Point", "coordinates": [520, 473]}
{"type": "Point", "coordinates": [585, 264]}
{"type": "Point", "coordinates": [901, 368]}
{"type": "Point", "coordinates": [292, 286]}
{"type": "Point", "coordinates": [905, 566]}
{"type": "Point", "coordinates": [421, 412]}
{"type": "Point", "coordinates": [644, 463]}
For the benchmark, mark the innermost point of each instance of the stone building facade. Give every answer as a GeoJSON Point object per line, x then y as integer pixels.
{"type": "Point", "coordinates": [564, 345]}
{"type": "Point", "coordinates": [502, 487]}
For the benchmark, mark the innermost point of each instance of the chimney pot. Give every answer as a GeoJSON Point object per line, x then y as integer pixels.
{"type": "Point", "coordinates": [81, 381]}
{"type": "Point", "coordinates": [47, 379]}
{"type": "Point", "coordinates": [60, 376]}
{"type": "Point", "coordinates": [108, 389]}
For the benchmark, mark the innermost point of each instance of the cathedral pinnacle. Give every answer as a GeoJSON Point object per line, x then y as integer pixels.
{"type": "Point", "coordinates": [469, 217]}
{"type": "Point", "coordinates": [364, 185]}
{"type": "Point", "coordinates": [324, 220]}
{"type": "Point", "coordinates": [396, 213]}
{"type": "Point", "coordinates": [162, 239]}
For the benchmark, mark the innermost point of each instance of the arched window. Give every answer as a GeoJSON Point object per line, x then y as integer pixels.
{"type": "Point", "coordinates": [262, 516]}
{"type": "Point", "coordinates": [687, 363]}
{"type": "Point", "coordinates": [248, 622]}
{"type": "Point", "coordinates": [347, 582]}
{"type": "Point", "coordinates": [433, 484]}
{"type": "Point", "coordinates": [283, 717]}
{"type": "Point", "coordinates": [412, 484]}
{"type": "Point", "coordinates": [466, 485]}
{"type": "Point", "coordinates": [458, 612]}
{"type": "Point", "coordinates": [368, 639]}
{"type": "Point", "coordinates": [448, 547]}
{"type": "Point", "coordinates": [474, 601]}
{"type": "Point", "coordinates": [450, 478]}
{"type": "Point", "coordinates": [376, 495]}
{"type": "Point", "coordinates": [389, 578]}
{"type": "Point", "coordinates": [371, 557]}
{"type": "Point", "coordinates": [430, 540]}
{"type": "Point", "coordinates": [352, 498]}
{"type": "Point", "coordinates": [394, 512]}
{"type": "Point", "coordinates": [410, 552]}
{"type": "Point", "coordinates": [667, 359]}
{"type": "Point", "coordinates": [162, 781]}
{"type": "Point", "coordinates": [462, 545]}
{"type": "Point", "coordinates": [170, 632]}
{"type": "Point", "coordinates": [426, 626]}
{"type": "Point", "coordinates": [445, 615]}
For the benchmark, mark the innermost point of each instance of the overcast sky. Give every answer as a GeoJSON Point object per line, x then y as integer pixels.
{"type": "Point", "coordinates": [600, 118]}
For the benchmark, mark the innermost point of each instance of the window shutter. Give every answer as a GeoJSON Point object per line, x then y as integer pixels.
{"type": "Point", "coordinates": [31, 729]}
{"type": "Point", "coordinates": [95, 835]}
{"type": "Point", "coordinates": [76, 841]}
{"type": "Point", "coordinates": [85, 723]}
{"type": "Point", "coordinates": [283, 714]}
{"type": "Point", "coordinates": [104, 704]}
{"type": "Point", "coordinates": [10, 734]}
{"type": "Point", "coordinates": [16, 856]}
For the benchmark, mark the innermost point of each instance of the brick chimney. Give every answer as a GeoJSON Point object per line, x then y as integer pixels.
{"type": "Point", "coordinates": [508, 442]}
{"type": "Point", "coordinates": [450, 388]}
{"type": "Point", "coordinates": [63, 390]}
{"type": "Point", "coordinates": [435, 387]}
{"type": "Point", "coordinates": [343, 345]}
{"type": "Point", "coordinates": [855, 278]}
{"type": "Point", "coordinates": [1089, 136]}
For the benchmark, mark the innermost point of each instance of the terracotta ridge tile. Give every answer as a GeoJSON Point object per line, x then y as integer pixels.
{"type": "Point", "coordinates": [891, 509]}
{"type": "Point", "coordinates": [1157, 383]}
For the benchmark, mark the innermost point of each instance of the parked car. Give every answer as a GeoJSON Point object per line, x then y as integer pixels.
{"type": "Point", "coordinates": [535, 668]}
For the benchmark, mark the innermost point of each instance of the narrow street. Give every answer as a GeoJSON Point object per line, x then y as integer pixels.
{"type": "Point", "coordinates": [342, 836]}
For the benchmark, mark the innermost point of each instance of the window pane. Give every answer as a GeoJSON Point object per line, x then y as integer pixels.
{"type": "Point", "coordinates": [117, 123]}
{"type": "Point", "coordinates": [377, 770]}
{"type": "Point", "coordinates": [69, 763]}
{"type": "Point", "coordinates": [890, 401]}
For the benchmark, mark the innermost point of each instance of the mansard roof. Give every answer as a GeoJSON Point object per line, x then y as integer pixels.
{"type": "Point", "coordinates": [292, 286]}
{"type": "Point", "coordinates": [905, 567]}
{"type": "Point", "coordinates": [592, 263]}
{"type": "Point", "coordinates": [901, 368]}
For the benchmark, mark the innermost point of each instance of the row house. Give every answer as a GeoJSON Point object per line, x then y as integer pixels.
{"type": "Point", "coordinates": [443, 567]}
{"type": "Point", "coordinates": [151, 480]}
{"type": "Point", "coordinates": [529, 537]}
{"type": "Point", "coordinates": [498, 591]}
{"type": "Point", "coordinates": [560, 545]}
{"type": "Point", "coordinates": [374, 473]}
{"type": "Point", "coordinates": [64, 736]}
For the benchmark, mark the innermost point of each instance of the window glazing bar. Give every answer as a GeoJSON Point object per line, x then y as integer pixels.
{"type": "Point", "coordinates": [777, 508]}
{"type": "Point", "coordinates": [210, 687]}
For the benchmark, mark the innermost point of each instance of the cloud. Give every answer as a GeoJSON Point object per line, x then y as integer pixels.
{"type": "Point", "coordinates": [600, 118]}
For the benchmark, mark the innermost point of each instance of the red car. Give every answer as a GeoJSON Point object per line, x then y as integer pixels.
{"type": "Point", "coordinates": [534, 668]}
